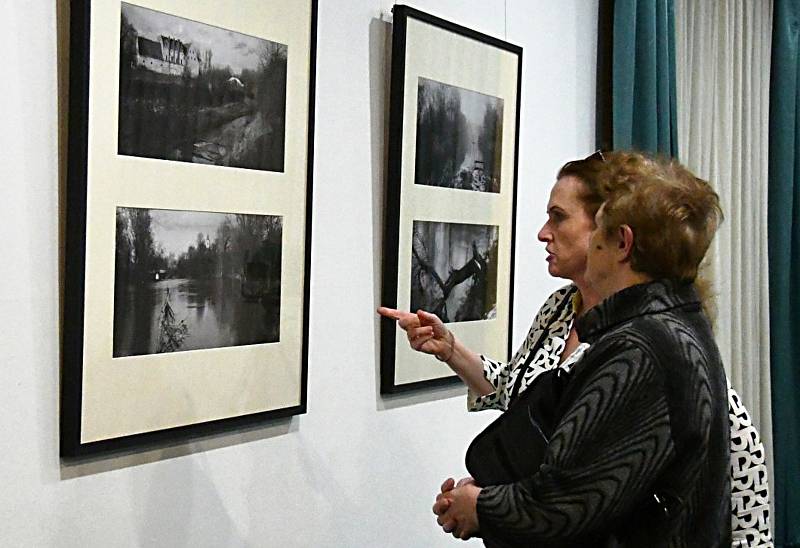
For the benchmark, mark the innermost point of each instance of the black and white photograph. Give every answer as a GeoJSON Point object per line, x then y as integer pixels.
{"type": "Point", "coordinates": [451, 191]}
{"type": "Point", "coordinates": [188, 280]}
{"type": "Point", "coordinates": [459, 138]}
{"type": "Point", "coordinates": [187, 218]}
{"type": "Point", "coordinates": [193, 92]}
{"type": "Point", "coordinates": [454, 270]}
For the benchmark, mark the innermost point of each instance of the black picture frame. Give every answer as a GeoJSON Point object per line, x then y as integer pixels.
{"type": "Point", "coordinates": [112, 403]}
{"type": "Point", "coordinates": [433, 58]}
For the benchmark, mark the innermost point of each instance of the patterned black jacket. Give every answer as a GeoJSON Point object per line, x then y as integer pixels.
{"type": "Point", "coordinates": [645, 412]}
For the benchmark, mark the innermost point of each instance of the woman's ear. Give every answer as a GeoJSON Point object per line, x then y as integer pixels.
{"type": "Point", "coordinates": [625, 242]}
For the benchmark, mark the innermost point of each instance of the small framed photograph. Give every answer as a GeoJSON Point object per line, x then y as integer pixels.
{"type": "Point", "coordinates": [451, 190]}
{"type": "Point", "coordinates": [187, 220]}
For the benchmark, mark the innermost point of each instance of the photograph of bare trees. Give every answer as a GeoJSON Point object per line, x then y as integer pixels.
{"type": "Point", "coordinates": [454, 270]}
{"type": "Point", "coordinates": [188, 280]}
{"type": "Point", "coordinates": [459, 138]}
{"type": "Point", "coordinates": [192, 92]}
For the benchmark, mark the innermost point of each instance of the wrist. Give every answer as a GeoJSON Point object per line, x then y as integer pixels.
{"type": "Point", "coordinates": [447, 354]}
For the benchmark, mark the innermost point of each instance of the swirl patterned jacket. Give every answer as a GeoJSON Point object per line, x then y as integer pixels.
{"type": "Point", "coordinates": [645, 413]}
{"type": "Point", "coordinates": [542, 350]}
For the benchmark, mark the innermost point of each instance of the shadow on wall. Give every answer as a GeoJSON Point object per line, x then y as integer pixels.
{"type": "Point", "coordinates": [197, 515]}
{"type": "Point", "coordinates": [380, 60]}
{"type": "Point", "coordinates": [148, 454]}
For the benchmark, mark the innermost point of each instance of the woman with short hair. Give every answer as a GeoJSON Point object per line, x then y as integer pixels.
{"type": "Point", "coordinates": [581, 187]}
{"type": "Point", "coordinates": [640, 454]}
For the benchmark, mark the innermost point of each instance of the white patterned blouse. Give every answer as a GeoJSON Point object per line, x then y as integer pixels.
{"type": "Point", "coordinates": [542, 350]}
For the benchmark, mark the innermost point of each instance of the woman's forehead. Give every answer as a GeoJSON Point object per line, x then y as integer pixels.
{"type": "Point", "coordinates": [566, 192]}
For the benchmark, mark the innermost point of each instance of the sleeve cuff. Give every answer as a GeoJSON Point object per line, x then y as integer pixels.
{"type": "Point", "coordinates": [497, 376]}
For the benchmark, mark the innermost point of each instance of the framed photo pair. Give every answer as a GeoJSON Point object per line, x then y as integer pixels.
{"type": "Point", "coordinates": [187, 221]}
{"type": "Point", "coordinates": [451, 191]}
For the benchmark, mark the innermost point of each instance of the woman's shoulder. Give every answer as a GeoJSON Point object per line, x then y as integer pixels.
{"type": "Point", "coordinates": [556, 299]}
{"type": "Point", "coordinates": [558, 296]}
{"type": "Point", "coordinates": [546, 317]}
{"type": "Point", "coordinates": [551, 313]}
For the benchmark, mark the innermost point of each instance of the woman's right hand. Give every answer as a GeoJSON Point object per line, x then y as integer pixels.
{"type": "Point", "coordinates": [425, 331]}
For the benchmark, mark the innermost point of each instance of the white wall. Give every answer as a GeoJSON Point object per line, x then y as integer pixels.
{"type": "Point", "coordinates": [357, 469]}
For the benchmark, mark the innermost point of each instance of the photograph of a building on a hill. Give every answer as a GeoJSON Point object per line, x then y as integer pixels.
{"type": "Point", "coordinates": [193, 92]}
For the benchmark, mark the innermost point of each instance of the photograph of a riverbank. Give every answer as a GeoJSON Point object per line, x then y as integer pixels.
{"type": "Point", "coordinates": [454, 270]}
{"type": "Point", "coordinates": [459, 138]}
{"type": "Point", "coordinates": [189, 280]}
{"type": "Point", "coordinates": [193, 92]}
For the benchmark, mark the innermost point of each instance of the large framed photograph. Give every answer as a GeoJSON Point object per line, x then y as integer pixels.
{"type": "Point", "coordinates": [187, 222]}
{"type": "Point", "coordinates": [451, 190]}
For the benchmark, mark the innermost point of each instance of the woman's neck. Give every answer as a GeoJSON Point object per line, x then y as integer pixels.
{"type": "Point", "coordinates": [622, 280]}
{"type": "Point", "coordinates": [589, 298]}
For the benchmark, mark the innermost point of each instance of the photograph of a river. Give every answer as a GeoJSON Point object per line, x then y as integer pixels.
{"type": "Point", "coordinates": [214, 313]}
{"type": "Point", "coordinates": [190, 280]}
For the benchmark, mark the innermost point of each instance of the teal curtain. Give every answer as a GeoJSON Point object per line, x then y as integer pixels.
{"type": "Point", "coordinates": [642, 76]}
{"type": "Point", "coordinates": [784, 268]}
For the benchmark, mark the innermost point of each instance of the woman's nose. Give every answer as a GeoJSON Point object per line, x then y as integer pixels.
{"type": "Point", "coordinates": [544, 234]}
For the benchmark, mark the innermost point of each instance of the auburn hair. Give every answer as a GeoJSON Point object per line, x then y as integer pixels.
{"type": "Point", "coordinates": [673, 214]}
{"type": "Point", "coordinates": [588, 170]}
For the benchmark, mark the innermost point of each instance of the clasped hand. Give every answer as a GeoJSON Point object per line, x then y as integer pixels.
{"type": "Point", "coordinates": [456, 508]}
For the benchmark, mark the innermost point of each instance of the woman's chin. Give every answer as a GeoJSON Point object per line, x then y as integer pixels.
{"type": "Point", "coordinates": [556, 272]}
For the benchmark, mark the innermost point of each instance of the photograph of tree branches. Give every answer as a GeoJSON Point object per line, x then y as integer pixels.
{"type": "Point", "coordinates": [193, 92]}
{"type": "Point", "coordinates": [454, 270]}
{"type": "Point", "coordinates": [188, 280]}
{"type": "Point", "coordinates": [459, 137]}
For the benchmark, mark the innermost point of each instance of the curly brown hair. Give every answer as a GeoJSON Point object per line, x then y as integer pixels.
{"type": "Point", "coordinates": [673, 213]}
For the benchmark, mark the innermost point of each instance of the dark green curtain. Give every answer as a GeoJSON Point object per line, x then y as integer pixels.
{"type": "Point", "coordinates": [784, 268]}
{"type": "Point", "coordinates": [636, 96]}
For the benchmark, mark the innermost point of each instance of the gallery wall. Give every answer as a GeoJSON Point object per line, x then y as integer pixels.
{"type": "Point", "coordinates": [358, 469]}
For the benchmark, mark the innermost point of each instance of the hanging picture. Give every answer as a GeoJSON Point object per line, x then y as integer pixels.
{"type": "Point", "coordinates": [451, 190]}
{"type": "Point", "coordinates": [187, 219]}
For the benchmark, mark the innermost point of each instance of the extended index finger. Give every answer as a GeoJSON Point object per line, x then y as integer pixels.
{"type": "Point", "coordinates": [400, 315]}
{"type": "Point", "coordinates": [390, 313]}
{"type": "Point", "coordinates": [404, 319]}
